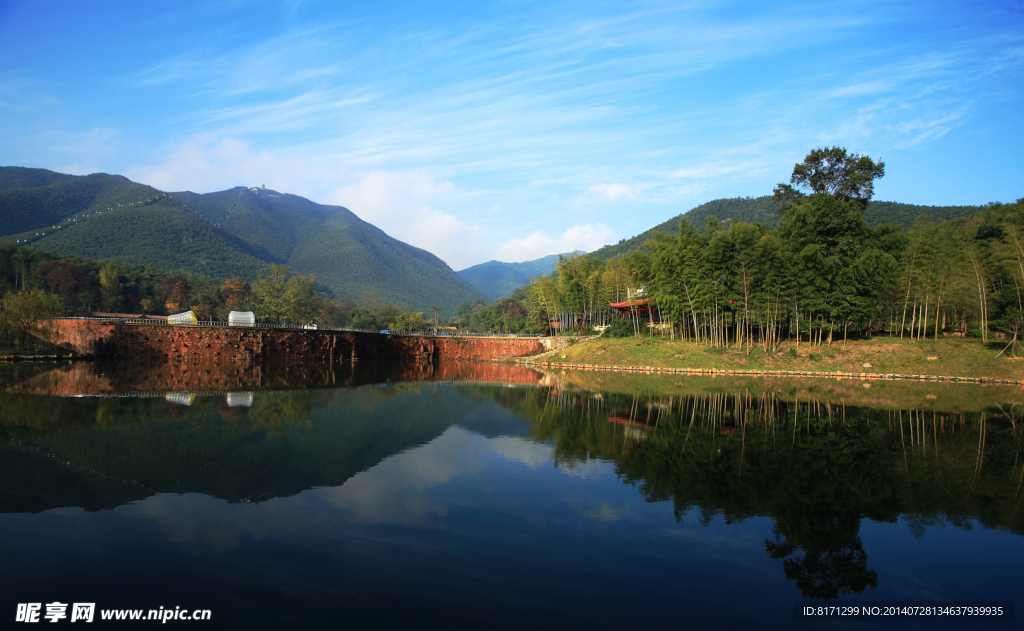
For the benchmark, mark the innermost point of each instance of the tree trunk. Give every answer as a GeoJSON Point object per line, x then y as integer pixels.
{"type": "Point", "coordinates": [913, 320]}
{"type": "Point", "coordinates": [910, 281]}
{"type": "Point", "coordinates": [796, 309]}
{"type": "Point", "coordinates": [924, 318]}
{"type": "Point", "coordinates": [981, 299]}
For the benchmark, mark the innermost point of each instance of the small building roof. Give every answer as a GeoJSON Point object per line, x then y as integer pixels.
{"type": "Point", "coordinates": [628, 304]}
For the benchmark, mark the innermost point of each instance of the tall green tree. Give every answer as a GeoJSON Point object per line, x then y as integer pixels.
{"type": "Point", "coordinates": [110, 287]}
{"type": "Point", "coordinates": [271, 293]}
{"type": "Point", "coordinates": [832, 171]}
{"type": "Point", "coordinates": [22, 312]}
{"type": "Point", "coordinates": [304, 304]}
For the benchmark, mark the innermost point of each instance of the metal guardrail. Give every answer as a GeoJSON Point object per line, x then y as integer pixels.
{"type": "Point", "coordinates": [300, 327]}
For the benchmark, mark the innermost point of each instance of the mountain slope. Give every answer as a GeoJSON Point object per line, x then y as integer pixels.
{"type": "Point", "coordinates": [23, 177]}
{"type": "Point", "coordinates": [348, 255]}
{"type": "Point", "coordinates": [762, 210]}
{"type": "Point", "coordinates": [497, 279]}
{"type": "Point", "coordinates": [494, 278]}
{"type": "Point", "coordinates": [47, 205]}
{"type": "Point", "coordinates": [237, 232]}
{"type": "Point", "coordinates": [116, 226]}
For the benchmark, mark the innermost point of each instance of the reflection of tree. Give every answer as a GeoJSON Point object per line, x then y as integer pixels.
{"type": "Point", "coordinates": [838, 473]}
{"type": "Point", "coordinates": [106, 413]}
{"type": "Point", "coordinates": [815, 468]}
{"type": "Point", "coordinates": [273, 411]}
{"type": "Point", "coordinates": [823, 556]}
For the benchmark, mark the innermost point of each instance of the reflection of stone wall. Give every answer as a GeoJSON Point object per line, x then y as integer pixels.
{"type": "Point", "coordinates": [90, 378]}
{"type": "Point", "coordinates": [230, 345]}
{"type": "Point", "coordinates": [197, 375]}
{"type": "Point", "coordinates": [469, 372]}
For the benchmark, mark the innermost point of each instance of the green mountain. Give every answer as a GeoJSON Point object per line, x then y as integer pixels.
{"type": "Point", "coordinates": [21, 177]}
{"type": "Point", "coordinates": [348, 255]}
{"type": "Point", "coordinates": [237, 232]}
{"type": "Point", "coordinates": [497, 279]}
{"type": "Point", "coordinates": [762, 210]}
{"type": "Point", "coordinates": [104, 216]}
{"type": "Point", "coordinates": [43, 204]}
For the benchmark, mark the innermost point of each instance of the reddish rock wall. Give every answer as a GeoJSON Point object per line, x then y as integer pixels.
{"type": "Point", "coordinates": [230, 344]}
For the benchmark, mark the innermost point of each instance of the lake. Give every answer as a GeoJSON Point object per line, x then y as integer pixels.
{"type": "Point", "coordinates": [467, 495]}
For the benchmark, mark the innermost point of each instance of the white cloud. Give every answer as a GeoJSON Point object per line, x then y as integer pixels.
{"type": "Point", "coordinates": [587, 237]}
{"type": "Point", "coordinates": [393, 491]}
{"type": "Point", "coordinates": [400, 203]}
{"type": "Point", "coordinates": [612, 192]}
{"type": "Point", "coordinates": [206, 164]}
{"type": "Point", "coordinates": [533, 455]}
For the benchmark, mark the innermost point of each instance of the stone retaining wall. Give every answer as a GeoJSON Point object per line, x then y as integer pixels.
{"type": "Point", "coordinates": [239, 344]}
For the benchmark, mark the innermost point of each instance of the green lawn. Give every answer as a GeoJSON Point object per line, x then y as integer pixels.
{"type": "Point", "coordinates": [951, 357]}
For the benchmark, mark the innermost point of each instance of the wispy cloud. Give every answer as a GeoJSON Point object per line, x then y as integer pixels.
{"type": "Point", "coordinates": [717, 169]}
{"type": "Point", "coordinates": [921, 130]}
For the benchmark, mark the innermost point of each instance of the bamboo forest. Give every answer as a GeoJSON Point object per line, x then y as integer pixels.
{"type": "Point", "coordinates": [819, 276]}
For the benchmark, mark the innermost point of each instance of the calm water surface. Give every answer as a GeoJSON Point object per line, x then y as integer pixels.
{"type": "Point", "coordinates": [467, 495]}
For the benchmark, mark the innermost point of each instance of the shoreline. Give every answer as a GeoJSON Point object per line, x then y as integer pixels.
{"type": "Point", "coordinates": [874, 359]}
{"type": "Point", "coordinates": [768, 373]}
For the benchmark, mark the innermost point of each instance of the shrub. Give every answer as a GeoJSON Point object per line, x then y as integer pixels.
{"type": "Point", "coordinates": [620, 327]}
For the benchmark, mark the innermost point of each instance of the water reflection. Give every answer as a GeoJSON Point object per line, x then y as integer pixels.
{"type": "Point", "coordinates": [403, 446]}
{"type": "Point", "coordinates": [816, 468]}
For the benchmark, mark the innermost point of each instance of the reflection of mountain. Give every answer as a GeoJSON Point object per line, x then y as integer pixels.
{"type": "Point", "coordinates": [284, 444]}
{"type": "Point", "coordinates": [112, 435]}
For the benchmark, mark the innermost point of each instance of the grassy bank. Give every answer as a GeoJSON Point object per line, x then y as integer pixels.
{"type": "Point", "coordinates": [953, 357]}
{"type": "Point", "coordinates": [890, 395]}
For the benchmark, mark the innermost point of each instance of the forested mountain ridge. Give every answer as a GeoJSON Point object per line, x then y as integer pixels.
{"type": "Point", "coordinates": [236, 232]}
{"type": "Point", "coordinates": [109, 217]}
{"type": "Point", "coordinates": [42, 205]}
{"type": "Point", "coordinates": [23, 177]}
{"type": "Point", "coordinates": [348, 255]}
{"type": "Point", "coordinates": [497, 279]}
{"type": "Point", "coordinates": [162, 235]}
{"type": "Point", "coordinates": [763, 210]}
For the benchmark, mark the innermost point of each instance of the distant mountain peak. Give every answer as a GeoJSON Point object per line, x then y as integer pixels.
{"type": "Point", "coordinates": [497, 279]}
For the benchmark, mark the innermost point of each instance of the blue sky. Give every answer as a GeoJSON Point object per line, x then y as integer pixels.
{"type": "Point", "coordinates": [514, 130]}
